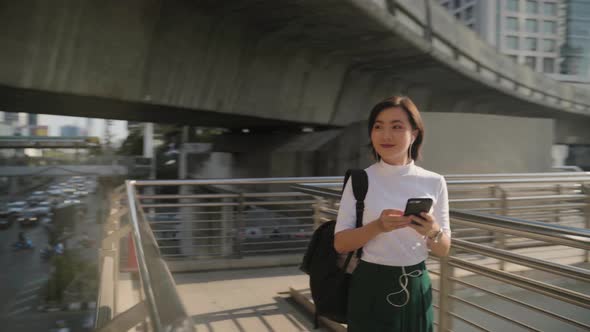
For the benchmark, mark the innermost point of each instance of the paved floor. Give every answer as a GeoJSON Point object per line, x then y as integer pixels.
{"type": "Point", "coordinates": [257, 299]}
{"type": "Point", "coordinates": [244, 300]}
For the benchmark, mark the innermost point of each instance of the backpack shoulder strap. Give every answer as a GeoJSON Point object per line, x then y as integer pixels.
{"type": "Point", "coordinates": [360, 183]}
{"type": "Point", "coordinates": [360, 186]}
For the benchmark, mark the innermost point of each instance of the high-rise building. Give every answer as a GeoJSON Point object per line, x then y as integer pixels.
{"type": "Point", "coordinates": [11, 118]}
{"type": "Point", "coordinates": [88, 129]}
{"type": "Point", "coordinates": [70, 131]}
{"type": "Point", "coordinates": [529, 31]}
{"type": "Point", "coordinates": [5, 129]}
{"type": "Point", "coordinates": [576, 50]}
{"type": "Point", "coordinates": [32, 120]}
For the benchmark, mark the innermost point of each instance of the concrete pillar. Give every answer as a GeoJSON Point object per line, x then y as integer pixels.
{"type": "Point", "coordinates": [13, 185]}
{"type": "Point", "coordinates": [187, 227]}
{"type": "Point", "coordinates": [559, 153]}
{"type": "Point", "coordinates": [148, 147]}
{"type": "Point", "coordinates": [148, 152]}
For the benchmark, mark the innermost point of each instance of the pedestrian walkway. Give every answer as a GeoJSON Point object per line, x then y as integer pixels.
{"type": "Point", "coordinates": [260, 300]}
{"type": "Point", "coordinates": [244, 300]}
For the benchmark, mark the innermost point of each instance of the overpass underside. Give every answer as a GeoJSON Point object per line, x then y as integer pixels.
{"type": "Point", "coordinates": [242, 63]}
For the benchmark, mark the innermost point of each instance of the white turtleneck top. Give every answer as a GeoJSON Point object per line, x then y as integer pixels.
{"type": "Point", "coordinates": [390, 187]}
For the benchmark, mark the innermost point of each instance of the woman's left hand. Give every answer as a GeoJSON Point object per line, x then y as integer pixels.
{"type": "Point", "coordinates": [425, 224]}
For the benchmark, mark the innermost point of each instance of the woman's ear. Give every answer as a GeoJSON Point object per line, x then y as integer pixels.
{"type": "Point", "coordinates": [414, 135]}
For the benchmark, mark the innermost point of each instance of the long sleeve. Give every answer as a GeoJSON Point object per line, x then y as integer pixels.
{"type": "Point", "coordinates": [441, 208]}
{"type": "Point", "coordinates": [346, 213]}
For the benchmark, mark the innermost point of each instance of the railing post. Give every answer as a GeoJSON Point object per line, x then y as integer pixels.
{"type": "Point", "coordinates": [586, 191]}
{"type": "Point", "coordinates": [446, 288]}
{"type": "Point", "coordinates": [227, 229]}
{"type": "Point", "coordinates": [557, 211]}
{"type": "Point", "coordinates": [493, 194]}
{"type": "Point", "coordinates": [501, 237]}
{"type": "Point", "coordinates": [239, 226]}
{"type": "Point", "coordinates": [317, 212]}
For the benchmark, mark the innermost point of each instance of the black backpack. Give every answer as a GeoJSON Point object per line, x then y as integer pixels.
{"type": "Point", "coordinates": [328, 281]}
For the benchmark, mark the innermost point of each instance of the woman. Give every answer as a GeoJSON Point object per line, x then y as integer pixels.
{"type": "Point", "coordinates": [390, 288]}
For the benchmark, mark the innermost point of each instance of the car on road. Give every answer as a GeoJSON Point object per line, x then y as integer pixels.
{"type": "Point", "coordinates": [15, 208]}
{"type": "Point", "coordinates": [81, 193]}
{"type": "Point", "coordinates": [37, 196]}
{"type": "Point", "coordinates": [54, 192]}
{"type": "Point", "coordinates": [28, 219]}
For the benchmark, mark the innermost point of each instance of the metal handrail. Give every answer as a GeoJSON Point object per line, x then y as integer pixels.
{"type": "Point", "coordinates": [230, 196]}
{"type": "Point", "coordinates": [550, 233]}
{"type": "Point", "coordinates": [516, 175]}
{"type": "Point", "coordinates": [156, 281]}
{"type": "Point", "coordinates": [153, 267]}
{"type": "Point", "coordinates": [221, 214]}
{"type": "Point", "coordinates": [283, 180]}
{"type": "Point", "coordinates": [577, 237]}
{"type": "Point", "coordinates": [141, 259]}
{"type": "Point", "coordinates": [335, 181]}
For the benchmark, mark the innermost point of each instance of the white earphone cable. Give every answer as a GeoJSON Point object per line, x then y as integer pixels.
{"type": "Point", "coordinates": [403, 282]}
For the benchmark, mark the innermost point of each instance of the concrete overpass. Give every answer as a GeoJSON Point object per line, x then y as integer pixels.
{"type": "Point", "coordinates": [64, 170]}
{"type": "Point", "coordinates": [265, 63]}
{"type": "Point", "coordinates": [42, 142]}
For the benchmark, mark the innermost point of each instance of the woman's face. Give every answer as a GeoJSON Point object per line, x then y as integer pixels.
{"type": "Point", "coordinates": [392, 135]}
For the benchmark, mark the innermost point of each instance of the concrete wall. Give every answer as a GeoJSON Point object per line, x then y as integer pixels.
{"type": "Point", "coordinates": [572, 131]}
{"type": "Point", "coordinates": [476, 143]}
{"type": "Point", "coordinates": [455, 143]}
{"type": "Point", "coordinates": [458, 143]}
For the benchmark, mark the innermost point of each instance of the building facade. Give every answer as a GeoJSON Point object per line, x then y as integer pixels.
{"type": "Point", "coordinates": [531, 32]}
{"type": "Point", "coordinates": [576, 50]}
{"type": "Point", "coordinates": [70, 131]}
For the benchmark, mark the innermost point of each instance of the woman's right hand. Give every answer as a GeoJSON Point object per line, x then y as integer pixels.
{"type": "Point", "coordinates": [392, 219]}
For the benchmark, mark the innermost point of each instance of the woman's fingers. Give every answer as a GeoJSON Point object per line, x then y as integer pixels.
{"type": "Point", "coordinates": [427, 216]}
{"type": "Point", "coordinates": [393, 212]}
{"type": "Point", "coordinates": [395, 222]}
{"type": "Point", "coordinates": [397, 219]}
{"type": "Point", "coordinates": [419, 220]}
{"type": "Point", "coordinates": [422, 224]}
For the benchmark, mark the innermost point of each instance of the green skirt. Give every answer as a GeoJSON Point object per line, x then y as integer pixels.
{"type": "Point", "coordinates": [374, 286]}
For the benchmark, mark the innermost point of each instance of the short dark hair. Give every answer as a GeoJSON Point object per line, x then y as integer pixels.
{"type": "Point", "coordinates": [406, 104]}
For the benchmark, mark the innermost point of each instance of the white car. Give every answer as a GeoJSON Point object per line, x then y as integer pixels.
{"type": "Point", "coordinates": [40, 210]}
{"type": "Point", "coordinates": [16, 207]}
{"type": "Point", "coordinates": [54, 192]}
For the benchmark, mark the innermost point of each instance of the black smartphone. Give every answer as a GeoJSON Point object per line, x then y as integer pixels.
{"type": "Point", "coordinates": [415, 206]}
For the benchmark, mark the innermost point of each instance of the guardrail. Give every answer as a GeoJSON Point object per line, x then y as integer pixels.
{"type": "Point", "coordinates": [233, 218]}
{"type": "Point", "coordinates": [217, 220]}
{"type": "Point", "coordinates": [475, 268]}
{"type": "Point", "coordinates": [230, 218]}
{"type": "Point", "coordinates": [158, 307]}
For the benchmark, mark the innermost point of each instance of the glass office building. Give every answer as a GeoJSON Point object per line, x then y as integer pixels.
{"type": "Point", "coordinates": [529, 31]}
{"type": "Point", "coordinates": [576, 50]}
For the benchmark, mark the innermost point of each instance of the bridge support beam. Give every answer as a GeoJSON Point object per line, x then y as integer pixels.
{"type": "Point", "coordinates": [13, 185]}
